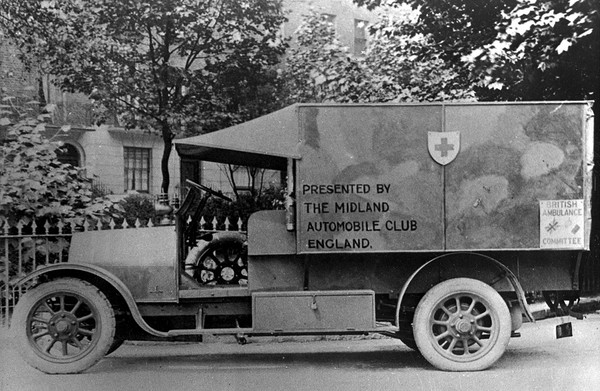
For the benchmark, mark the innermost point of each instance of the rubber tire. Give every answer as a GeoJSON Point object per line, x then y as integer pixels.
{"type": "Point", "coordinates": [501, 323]}
{"type": "Point", "coordinates": [29, 301]}
{"type": "Point", "coordinates": [226, 240]}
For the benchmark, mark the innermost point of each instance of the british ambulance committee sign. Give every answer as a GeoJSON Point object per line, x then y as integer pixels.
{"type": "Point", "coordinates": [561, 224]}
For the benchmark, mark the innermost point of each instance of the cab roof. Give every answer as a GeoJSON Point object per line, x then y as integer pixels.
{"type": "Point", "coordinates": [265, 142]}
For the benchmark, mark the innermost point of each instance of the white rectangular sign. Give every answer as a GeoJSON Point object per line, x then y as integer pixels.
{"type": "Point", "coordinates": [561, 224]}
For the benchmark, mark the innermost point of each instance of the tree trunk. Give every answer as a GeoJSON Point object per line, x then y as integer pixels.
{"type": "Point", "coordinates": [164, 163]}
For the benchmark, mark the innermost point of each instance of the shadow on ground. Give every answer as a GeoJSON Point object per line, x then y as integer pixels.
{"type": "Point", "coordinates": [371, 360]}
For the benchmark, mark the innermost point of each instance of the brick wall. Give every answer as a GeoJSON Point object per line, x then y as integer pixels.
{"type": "Point", "coordinates": [19, 88]}
{"type": "Point", "coordinates": [14, 78]}
{"type": "Point", "coordinates": [344, 13]}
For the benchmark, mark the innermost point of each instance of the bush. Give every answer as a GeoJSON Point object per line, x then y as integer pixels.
{"type": "Point", "coordinates": [36, 187]}
{"type": "Point", "coordinates": [138, 206]}
{"type": "Point", "coordinates": [246, 204]}
{"type": "Point", "coordinates": [100, 190]}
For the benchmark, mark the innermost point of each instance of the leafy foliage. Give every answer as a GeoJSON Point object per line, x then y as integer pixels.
{"type": "Point", "coordinates": [408, 69]}
{"type": "Point", "coordinates": [546, 50]}
{"type": "Point", "coordinates": [514, 49]}
{"type": "Point", "coordinates": [166, 66]}
{"type": "Point", "coordinates": [35, 186]}
{"type": "Point", "coordinates": [321, 69]}
{"type": "Point", "coordinates": [138, 206]}
{"type": "Point", "coordinates": [244, 205]}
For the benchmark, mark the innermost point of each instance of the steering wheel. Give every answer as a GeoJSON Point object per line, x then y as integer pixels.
{"type": "Point", "coordinates": [209, 190]}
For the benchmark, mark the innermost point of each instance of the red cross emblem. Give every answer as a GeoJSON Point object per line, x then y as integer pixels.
{"type": "Point", "coordinates": [443, 146]}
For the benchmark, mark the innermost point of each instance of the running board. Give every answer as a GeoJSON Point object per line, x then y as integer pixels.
{"type": "Point", "coordinates": [231, 331]}
{"type": "Point", "coordinates": [380, 329]}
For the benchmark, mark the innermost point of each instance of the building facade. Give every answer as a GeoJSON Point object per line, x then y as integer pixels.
{"type": "Point", "coordinates": [350, 21]}
{"type": "Point", "coordinates": [119, 161]}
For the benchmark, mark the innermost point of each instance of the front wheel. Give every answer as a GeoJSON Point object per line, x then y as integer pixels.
{"type": "Point", "coordinates": [63, 326]}
{"type": "Point", "coordinates": [462, 325]}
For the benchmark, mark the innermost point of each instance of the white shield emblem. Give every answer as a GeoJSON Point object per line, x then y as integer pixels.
{"type": "Point", "coordinates": [443, 146]}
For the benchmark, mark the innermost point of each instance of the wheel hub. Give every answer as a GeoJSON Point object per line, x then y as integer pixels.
{"type": "Point", "coordinates": [227, 274]}
{"type": "Point", "coordinates": [63, 325]}
{"type": "Point", "coordinates": [463, 326]}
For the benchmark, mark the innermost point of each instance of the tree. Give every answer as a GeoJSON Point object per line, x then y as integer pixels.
{"type": "Point", "coordinates": [165, 66]}
{"type": "Point", "coordinates": [408, 69]}
{"type": "Point", "coordinates": [321, 69]}
{"type": "Point", "coordinates": [547, 50]}
{"type": "Point", "coordinates": [514, 49]}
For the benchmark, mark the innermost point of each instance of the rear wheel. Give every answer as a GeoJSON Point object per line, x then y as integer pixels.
{"type": "Point", "coordinates": [63, 326]}
{"type": "Point", "coordinates": [462, 325]}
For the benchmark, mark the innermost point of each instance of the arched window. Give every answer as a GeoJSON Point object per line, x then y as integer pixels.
{"type": "Point", "coordinates": [68, 153]}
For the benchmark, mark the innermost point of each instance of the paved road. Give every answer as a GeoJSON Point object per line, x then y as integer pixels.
{"type": "Point", "coordinates": [536, 361]}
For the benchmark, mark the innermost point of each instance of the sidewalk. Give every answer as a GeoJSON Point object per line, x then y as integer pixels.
{"type": "Point", "coordinates": [4, 334]}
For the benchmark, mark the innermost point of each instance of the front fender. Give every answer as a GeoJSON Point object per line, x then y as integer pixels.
{"type": "Point", "coordinates": [90, 273]}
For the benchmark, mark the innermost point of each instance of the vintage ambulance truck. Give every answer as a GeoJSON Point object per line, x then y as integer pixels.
{"type": "Point", "coordinates": [425, 222]}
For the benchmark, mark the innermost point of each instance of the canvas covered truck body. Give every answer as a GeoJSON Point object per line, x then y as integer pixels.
{"type": "Point", "coordinates": [378, 187]}
{"type": "Point", "coordinates": [424, 222]}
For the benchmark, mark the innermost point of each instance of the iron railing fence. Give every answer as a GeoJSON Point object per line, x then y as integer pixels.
{"type": "Point", "coordinates": [25, 248]}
